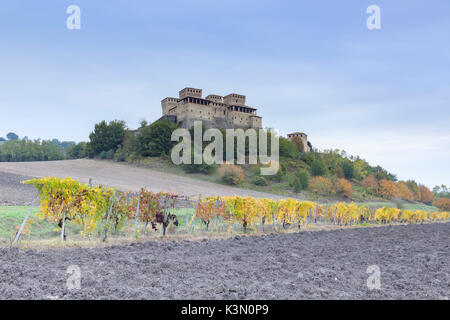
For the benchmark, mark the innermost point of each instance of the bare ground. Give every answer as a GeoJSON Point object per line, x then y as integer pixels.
{"type": "Point", "coordinates": [14, 193]}
{"type": "Point", "coordinates": [121, 176]}
{"type": "Point", "coordinates": [414, 262]}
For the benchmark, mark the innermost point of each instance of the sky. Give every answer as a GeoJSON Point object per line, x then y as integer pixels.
{"type": "Point", "coordinates": [310, 66]}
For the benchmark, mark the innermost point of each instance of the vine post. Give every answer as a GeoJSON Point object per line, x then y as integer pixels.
{"type": "Point", "coordinates": [25, 220]}
{"type": "Point", "coordinates": [107, 217]}
{"type": "Point", "coordinates": [194, 214]}
{"type": "Point", "coordinates": [215, 212]}
{"type": "Point", "coordinates": [137, 213]}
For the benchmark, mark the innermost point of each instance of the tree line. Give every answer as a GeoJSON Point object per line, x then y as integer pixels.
{"type": "Point", "coordinates": [325, 173]}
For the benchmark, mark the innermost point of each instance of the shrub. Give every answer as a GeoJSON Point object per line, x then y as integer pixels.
{"type": "Point", "coordinates": [320, 185]}
{"type": "Point", "coordinates": [344, 187]}
{"type": "Point", "coordinates": [260, 181]}
{"type": "Point", "coordinates": [120, 155]}
{"type": "Point", "coordinates": [299, 181]}
{"type": "Point", "coordinates": [280, 173]}
{"type": "Point", "coordinates": [443, 204]}
{"type": "Point", "coordinates": [199, 168]}
{"type": "Point", "coordinates": [231, 174]}
{"type": "Point", "coordinates": [107, 155]}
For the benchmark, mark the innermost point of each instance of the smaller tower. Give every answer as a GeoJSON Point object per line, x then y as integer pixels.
{"type": "Point", "coordinates": [300, 137]}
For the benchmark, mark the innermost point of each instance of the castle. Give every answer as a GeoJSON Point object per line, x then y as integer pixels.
{"type": "Point", "coordinates": [228, 112]}
{"type": "Point", "coordinates": [214, 111]}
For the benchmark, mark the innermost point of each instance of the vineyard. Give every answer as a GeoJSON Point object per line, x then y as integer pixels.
{"type": "Point", "coordinates": [98, 211]}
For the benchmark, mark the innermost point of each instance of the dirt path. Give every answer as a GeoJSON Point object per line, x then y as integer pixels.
{"type": "Point", "coordinates": [414, 261]}
{"type": "Point", "coordinates": [123, 176]}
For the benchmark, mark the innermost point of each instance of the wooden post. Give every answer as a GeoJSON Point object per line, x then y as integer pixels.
{"type": "Point", "coordinates": [166, 214]}
{"type": "Point", "coordinates": [137, 213]}
{"type": "Point", "coordinates": [214, 218]}
{"type": "Point", "coordinates": [194, 214]}
{"type": "Point", "coordinates": [107, 217]}
{"type": "Point", "coordinates": [63, 229]}
{"type": "Point", "coordinates": [24, 221]}
{"type": "Point", "coordinates": [334, 218]}
{"type": "Point", "coordinates": [232, 223]}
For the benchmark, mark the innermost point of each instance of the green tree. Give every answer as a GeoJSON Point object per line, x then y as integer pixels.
{"type": "Point", "coordinates": [348, 169]}
{"type": "Point", "coordinates": [107, 136]}
{"type": "Point", "coordinates": [318, 167]}
{"type": "Point", "coordinates": [155, 140]}
{"type": "Point", "coordinates": [76, 151]}
{"type": "Point", "coordinates": [12, 136]}
{"type": "Point", "coordinates": [288, 148]}
{"type": "Point", "coordinates": [299, 181]}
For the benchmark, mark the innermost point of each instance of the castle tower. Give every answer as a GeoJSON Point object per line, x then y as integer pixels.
{"type": "Point", "coordinates": [303, 137]}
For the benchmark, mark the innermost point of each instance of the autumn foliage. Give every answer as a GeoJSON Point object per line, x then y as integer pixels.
{"type": "Point", "coordinates": [388, 189]}
{"type": "Point", "coordinates": [443, 204]}
{"type": "Point", "coordinates": [404, 192]}
{"type": "Point", "coordinates": [321, 185]}
{"type": "Point", "coordinates": [426, 196]}
{"type": "Point", "coordinates": [344, 187]}
{"type": "Point", "coordinates": [231, 174]}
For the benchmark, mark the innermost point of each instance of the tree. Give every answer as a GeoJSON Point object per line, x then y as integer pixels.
{"type": "Point", "coordinates": [344, 187]}
{"type": "Point", "coordinates": [77, 151]}
{"type": "Point", "coordinates": [413, 186]}
{"type": "Point", "coordinates": [387, 189]}
{"type": "Point", "coordinates": [426, 196]}
{"type": "Point", "coordinates": [318, 167]}
{"type": "Point", "coordinates": [299, 181]}
{"type": "Point", "coordinates": [12, 136]}
{"type": "Point", "coordinates": [320, 185]}
{"type": "Point", "coordinates": [443, 204]}
{"type": "Point", "coordinates": [155, 140]}
{"type": "Point", "coordinates": [404, 192]}
{"type": "Point", "coordinates": [370, 184]}
{"type": "Point", "coordinates": [347, 168]}
{"type": "Point", "coordinates": [107, 136]}
{"type": "Point", "coordinates": [2, 139]}
{"type": "Point", "coordinates": [21, 150]}
{"type": "Point", "coordinates": [288, 148]}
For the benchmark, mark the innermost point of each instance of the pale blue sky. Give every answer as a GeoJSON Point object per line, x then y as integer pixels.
{"type": "Point", "coordinates": [309, 66]}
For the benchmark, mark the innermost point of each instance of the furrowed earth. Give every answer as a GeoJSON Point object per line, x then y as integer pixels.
{"type": "Point", "coordinates": [414, 261]}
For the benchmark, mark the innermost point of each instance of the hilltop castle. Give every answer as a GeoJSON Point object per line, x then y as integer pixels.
{"type": "Point", "coordinates": [214, 111]}
{"type": "Point", "coordinates": [228, 112]}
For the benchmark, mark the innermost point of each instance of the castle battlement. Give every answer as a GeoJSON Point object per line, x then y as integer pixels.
{"type": "Point", "coordinates": [214, 110]}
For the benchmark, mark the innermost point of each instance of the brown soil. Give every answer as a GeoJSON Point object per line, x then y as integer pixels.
{"type": "Point", "coordinates": [414, 262]}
